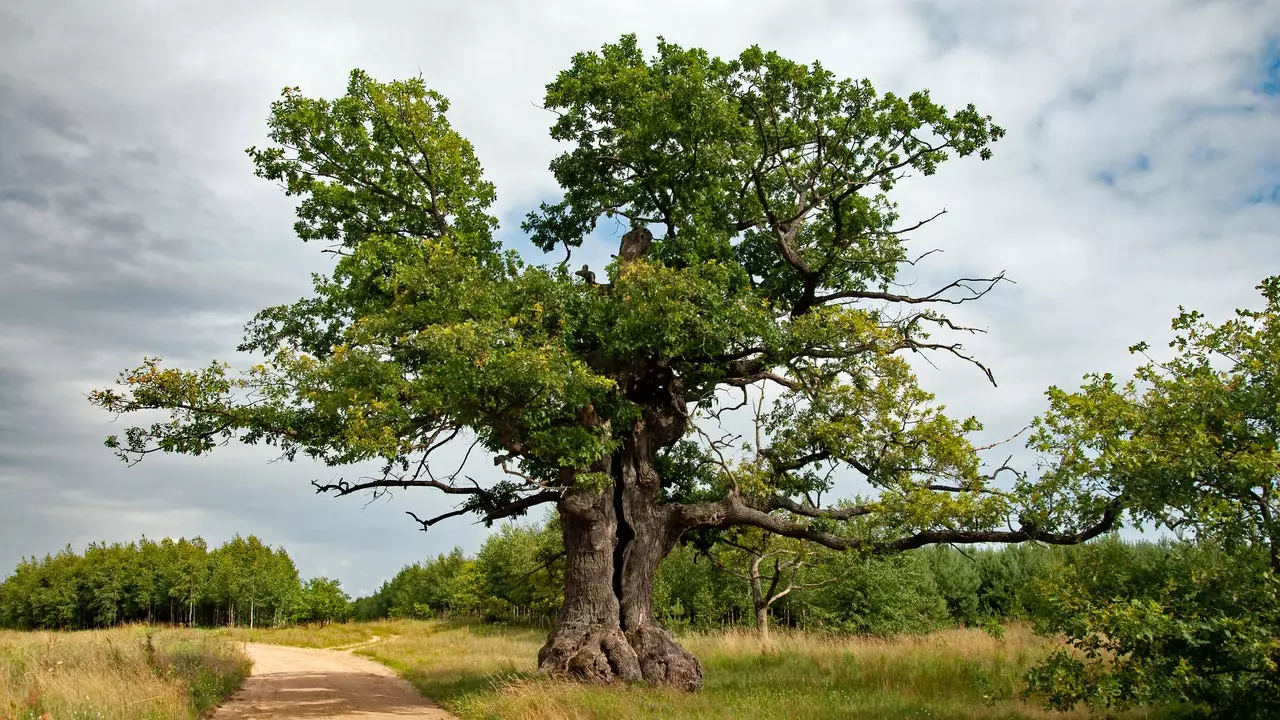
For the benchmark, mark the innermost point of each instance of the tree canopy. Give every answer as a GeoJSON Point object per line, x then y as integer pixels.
{"type": "Point", "coordinates": [760, 249]}
{"type": "Point", "coordinates": [1191, 443]}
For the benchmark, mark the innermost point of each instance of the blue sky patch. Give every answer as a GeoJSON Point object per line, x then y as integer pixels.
{"type": "Point", "coordinates": [1270, 84]}
{"type": "Point", "coordinates": [1266, 197]}
{"type": "Point", "coordinates": [1138, 164]}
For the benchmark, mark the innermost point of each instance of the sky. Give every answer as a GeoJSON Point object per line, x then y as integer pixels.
{"type": "Point", "coordinates": [1141, 171]}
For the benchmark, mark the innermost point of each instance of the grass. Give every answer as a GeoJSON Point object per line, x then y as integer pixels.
{"type": "Point", "coordinates": [311, 636]}
{"type": "Point", "coordinates": [120, 674]}
{"type": "Point", "coordinates": [479, 671]}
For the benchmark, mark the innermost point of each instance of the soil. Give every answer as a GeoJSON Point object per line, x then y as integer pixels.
{"type": "Point", "coordinates": [289, 682]}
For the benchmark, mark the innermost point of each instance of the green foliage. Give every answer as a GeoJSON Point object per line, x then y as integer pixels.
{"type": "Point", "coordinates": [322, 601]}
{"type": "Point", "coordinates": [1188, 623]}
{"type": "Point", "coordinates": [958, 580]}
{"type": "Point", "coordinates": [517, 577]}
{"type": "Point", "coordinates": [1190, 443]}
{"type": "Point", "coordinates": [763, 244]}
{"type": "Point", "coordinates": [690, 591]}
{"type": "Point", "coordinates": [448, 584]}
{"type": "Point", "coordinates": [176, 582]}
{"type": "Point", "coordinates": [521, 572]}
{"type": "Point", "coordinates": [359, 165]}
{"type": "Point", "coordinates": [879, 596]}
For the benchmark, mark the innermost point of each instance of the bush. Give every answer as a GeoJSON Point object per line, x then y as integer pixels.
{"type": "Point", "coordinates": [1178, 622]}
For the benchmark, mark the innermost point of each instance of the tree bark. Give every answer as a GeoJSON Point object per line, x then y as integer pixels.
{"type": "Point", "coordinates": [662, 660]}
{"type": "Point", "coordinates": [587, 642]}
{"type": "Point", "coordinates": [614, 540]}
{"type": "Point", "coordinates": [758, 599]}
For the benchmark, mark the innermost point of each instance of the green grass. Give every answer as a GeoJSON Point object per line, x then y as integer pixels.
{"type": "Point", "coordinates": [479, 671]}
{"type": "Point", "coordinates": [121, 674]}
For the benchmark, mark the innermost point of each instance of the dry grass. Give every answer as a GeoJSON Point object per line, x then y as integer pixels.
{"type": "Point", "coordinates": [313, 636]}
{"type": "Point", "coordinates": [121, 674]}
{"type": "Point", "coordinates": [487, 672]}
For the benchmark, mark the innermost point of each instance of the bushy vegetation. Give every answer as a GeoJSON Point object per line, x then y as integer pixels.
{"type": "Point", "coordinates": [242, 582]}
{"type": "Point", "coordinates": [1191, 443]}
{"type": "Point", "coordinates": [515, 578]}
{"type": "Point", "coordinates": [120, 674]}
{"type": "Point", "coordinates": [1178, 622]}
{"type": "Point", "coordinates": [1169, 623]}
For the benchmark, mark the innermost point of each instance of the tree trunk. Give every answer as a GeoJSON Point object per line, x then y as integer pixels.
{"type": "Point", "coordinates": [587, 642]}
{"type": "Point", "coordinates": [758, 599]}
{"type": "Point", "coordinates": [662, 660]}
{"type": "Point", "coordinates": [762, 622]}
{"type": "Point", "coordinates": [614, 540]}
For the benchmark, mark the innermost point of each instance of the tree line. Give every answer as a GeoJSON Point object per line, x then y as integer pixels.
{"type": "Point", "coordinates": [516, 578]}
{"type": "Point", "coordinates": [1185, 619]}
{"type": "Point", "coordinates": [178, 582]}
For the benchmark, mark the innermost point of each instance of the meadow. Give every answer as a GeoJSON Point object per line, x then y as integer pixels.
{"type": "Point", "coordinates": [129, 673]}
{"type": "Point", "coordinates": [486, 671]}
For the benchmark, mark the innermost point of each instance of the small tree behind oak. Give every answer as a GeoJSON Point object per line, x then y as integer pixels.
{"type": "Point", "coordinates": [761, 247]}
{"type": "Point", "coordinates": [772, 567]}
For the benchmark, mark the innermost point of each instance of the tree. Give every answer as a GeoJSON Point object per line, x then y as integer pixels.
{"type": "Point", "coordinates": [521, 570]}
{"type": "Point", "coordinates": [878, 595]}
{"type": "Point", "coordinates": [1191, 442]}
{"type": "Point", "coordinates": [323, 601]}
{"type": "Point", "coordinates": [760, 247]}
{"type": "Point", "coordinates": [193, 568]}
{"type": "Point", "coordinates": [743, 552]}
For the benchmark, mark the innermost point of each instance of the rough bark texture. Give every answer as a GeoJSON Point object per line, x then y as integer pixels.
{"type": "Point", "coordinates": [614, 541]}
{"type": "Point", "coordinates": [662, 660]}
{"type": "Point", "coordinates": [587, 642]}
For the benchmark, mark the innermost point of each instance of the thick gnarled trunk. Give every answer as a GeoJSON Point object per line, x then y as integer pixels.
{"type": "Point", "coordinates": [587, 642]}
{"type": "Point", "coordinates": [614, 541]}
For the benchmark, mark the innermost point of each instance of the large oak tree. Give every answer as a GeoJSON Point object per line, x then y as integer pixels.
{"type": "Point", "coordinates": [760, 249]}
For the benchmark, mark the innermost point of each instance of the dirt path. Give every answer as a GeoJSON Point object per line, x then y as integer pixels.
{"type": "Point", "coordinates": [289, 682]}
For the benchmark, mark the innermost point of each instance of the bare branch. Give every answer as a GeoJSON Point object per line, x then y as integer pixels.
{"type": "Point", "coordinates": [779, 502]}
{"type": "Point", "coordinates": [511, 509]}
{"type": "Point", "coordinates": [432, 521]}
{"type": "Point", "coordinates": [937, 296]}
{"type": "Point", "coordinates": [1005, 441]}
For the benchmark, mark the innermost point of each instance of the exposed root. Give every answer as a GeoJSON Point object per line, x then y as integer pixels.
{"type": "Point", "coordinates": [592, 653]}
{"type": "Point", "coordinates": [663, 661]}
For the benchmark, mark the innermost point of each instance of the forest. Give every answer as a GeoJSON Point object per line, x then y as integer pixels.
{"type": "Point", "coordinates": [182, 582]}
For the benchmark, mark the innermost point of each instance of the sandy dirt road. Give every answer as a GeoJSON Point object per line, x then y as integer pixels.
{"type": "Point", "coordinates": [289, 682]}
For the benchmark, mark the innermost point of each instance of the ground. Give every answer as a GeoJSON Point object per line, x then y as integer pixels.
{"type": "Point", "coordinates": [291, 682]}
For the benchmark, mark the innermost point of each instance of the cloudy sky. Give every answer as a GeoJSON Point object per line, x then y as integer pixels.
{"type": "Point", "coordinates": [1141, 171]}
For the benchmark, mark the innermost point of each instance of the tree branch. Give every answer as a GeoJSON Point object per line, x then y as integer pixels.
{"type": "Point", "coordinates": [734, 510]}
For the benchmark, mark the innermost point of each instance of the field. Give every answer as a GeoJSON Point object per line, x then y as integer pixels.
{"type": "Point", "coordinates": [481, 671]}
{"type": "Point", "coordinates": [122, 674]}
{"type": "Point", "coordinates": [485, 671]}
